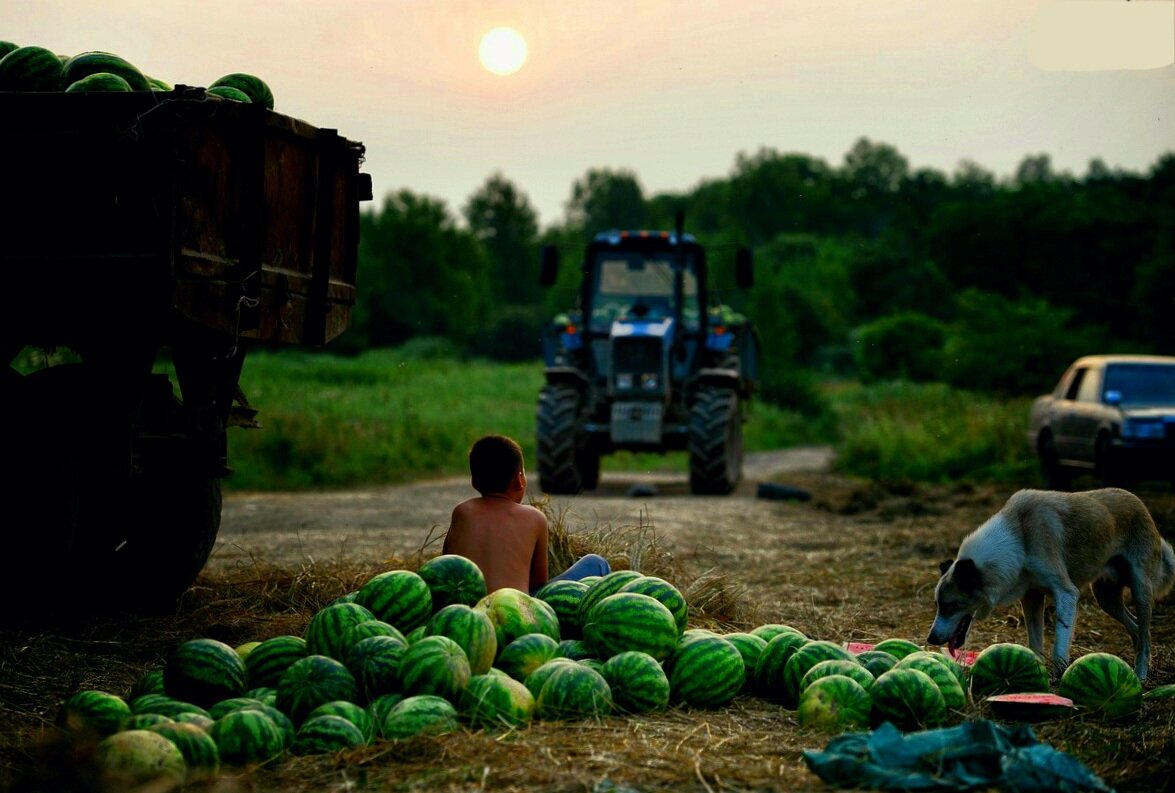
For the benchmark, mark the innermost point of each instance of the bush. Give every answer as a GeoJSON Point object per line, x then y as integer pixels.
{"type": "Point", "coordinates": [906, 346]}
{"type": "Point", "coordinates": [514, 334]}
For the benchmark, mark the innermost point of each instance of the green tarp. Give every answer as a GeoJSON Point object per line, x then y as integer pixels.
{"type": "Point", "coordinates": [976, 755]}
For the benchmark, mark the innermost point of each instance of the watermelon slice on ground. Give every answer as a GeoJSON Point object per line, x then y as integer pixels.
{"type": "Point", "coordinates": [856, 648]}
{"type": "Point", "coordinates": [1031, 706]}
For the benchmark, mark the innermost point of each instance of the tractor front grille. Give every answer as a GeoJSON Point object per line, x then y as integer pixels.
{"type": "Point", "coordinates": [637, 363]}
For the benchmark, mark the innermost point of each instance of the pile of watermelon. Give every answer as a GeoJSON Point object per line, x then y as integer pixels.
{"type": "Point", "coordinates": [36, 69]}
{"type": "Point", "coordinates": [428, 652]}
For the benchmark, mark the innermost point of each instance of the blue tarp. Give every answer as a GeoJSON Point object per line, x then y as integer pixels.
{"type": "Point", "coordinates": [976, 755]}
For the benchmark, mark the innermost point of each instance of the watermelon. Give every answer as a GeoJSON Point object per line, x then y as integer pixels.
{"type": "Point", "coordinates": [243, 650]}
{"type": "Point", "coordinates": [592, 663]}
{"type": "Point", "coordinates": [471, 629]}
{"type": "Point", "coordinates": [269, 660]}
{"type": "Point", "coordinates": [535, 680]}
{"type": "Point", "coordinates": [949, 685]}
{"type": "Point", "coordinates": [515, 613]}
{"type": "Point", "coordinates": [495, 701]}
{"type": "Point", "coordinates": [705, 672]}
{"type": "Point", "coordinates": [30, 69]}
{"type": "Point", "coordinates": [526, 654]}
{"type": "Point", "coordinates": [769, 669]}
{"type": "Point", "coordinates": [140, 760]}
{"type": "Point", "coordinates": [379, 708]}
{"type": "Point", "coordinates": [97, 712]}
{"type": "Point", "coordinates": [6, 47]}
{"type": "Point", "coordinates": [435, 665]}
{"type": "Point", "coordinates": [196, 719]}
{"type": "Point", "coordinates": [1029, 707]}
{"type": "Point", "coordinates": [751, 647]}
{"type": "Point", "coordinates": [347, 710]}
{"type": "Point", "coordinates": [1007, 668]}
{"type": "Point", "coordinates": [203, 672]}
{"type": "Point", "coordinates": [147, 683]}
{"type": "Point", "coordinates": [954, 666]}
{"type": "Point", "coordinates": [324, 635]}
{"type": "Point", "coordinates": [564, 597]}
{"type": "Point", "coordinates": [803, 660]}
{"type": "Point", "coordinates": [637, 681]}
{"type": "Point", "coordinates": [357, 633]}
{"type": "Point", "coordinates": [1163, 692]}
{"type": "Point", "coordinates": [228, 92]}
{"type": "Point", "coordinates": [227, 706]}
{"type": "Point", "coordinates": [907, 698]}
{"type": "Point", "coordinates": [257, 91]}
{"type": "Point", "coordinates": [609, 584]}
{"type": "Point", "coordinates": [98, 82]}
{"type": "Point", "coordinates": [876, 661]}
{"type": "Point", "coordinates": [347, 597]}
{"type": "Point", "coordinates": [312, 681]}
{"type": "Point", "coordinates": [1104, 684]}
{"type": "Point", "coordinates": [772, 629]}
{"type": "Point", "coordinates": [201, 757]}
{"type": "Point", "coordinates": [155, 84]}
{"type": "Point", "coordinates": [144, 721]}
{"type": "Point", "coordinates": [398, 597]}
{"type": "Point", "coordinates": [898, 648]}
{"type": "Point", "coordinates": [575, 649]}
{"type": "Point", "coordinates": [837, 666]}
{"type": "Point", "coordinates": [82, 66]}
{"type": "Point", "coordinates": [284, 725]}
{"type": "Point", "coordinates": [247, 737]}
{"type": "Point", "coordinates": [452, 578]}
{"type": "Point", "coordinates": [834, 703]}
{"type": "Point", "coordinates": [573, 692]}
{"type": "Point", "coordinates": [630, 621]}
{"type": "Point", "coordinates": [665, 593]}
{"type": "Point", "coordinates": [326, 734]}
{"type": "Point", "coordinates": [264, 694]}
{"type": "Point", "coordinates": [416, 635]}
{"type": "Point", "coordinates": [423, 714]}
{"type": "Point", "coordinates": [168, 706]}
{"type": "Point", "coordinates": [375, 664]}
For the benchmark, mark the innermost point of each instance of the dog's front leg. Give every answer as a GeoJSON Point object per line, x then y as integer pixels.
{"type": "Point", "coordinates": [1033, 605]}
{"type": "Point", "coordinates": [1065, 603]}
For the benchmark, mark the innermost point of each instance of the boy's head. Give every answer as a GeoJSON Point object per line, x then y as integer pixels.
{"type": "Point", "coordinates": [494, 461]}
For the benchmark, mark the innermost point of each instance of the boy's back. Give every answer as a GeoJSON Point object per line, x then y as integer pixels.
{"type": "Point", "coordinates": [507, 540]}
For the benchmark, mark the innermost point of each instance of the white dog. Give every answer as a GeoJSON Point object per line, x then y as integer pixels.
{"type": "Point", "coordinates": [1052, 543]}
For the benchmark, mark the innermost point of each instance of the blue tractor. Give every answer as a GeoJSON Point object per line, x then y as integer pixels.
{"type": "Point", "coordinates": [648, 361]}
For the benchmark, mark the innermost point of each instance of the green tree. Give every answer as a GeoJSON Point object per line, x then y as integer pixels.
{"type": "Point", "coordinates": [772, 193]}
{"type": "Point", "coordinates": [604, 199]}
{"type": "Point", "coordinates": [504, 222]}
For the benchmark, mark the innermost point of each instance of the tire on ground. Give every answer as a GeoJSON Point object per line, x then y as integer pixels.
{"type": "Point", "coordinates": [715, 442]}
{"type": "Point", "coordinates": [559, 442]}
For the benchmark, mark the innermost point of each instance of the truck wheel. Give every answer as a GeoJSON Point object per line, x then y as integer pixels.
{"type": "Point", "coordinates": [715, 442]}
{"type": "Point", "coordinates": [1056, 476]}
{"type": "Point", "coordinates": [559, 445]}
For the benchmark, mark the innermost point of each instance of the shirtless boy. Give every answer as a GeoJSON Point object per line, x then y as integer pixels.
{"type": "Point", "coordinates": [504, 537]}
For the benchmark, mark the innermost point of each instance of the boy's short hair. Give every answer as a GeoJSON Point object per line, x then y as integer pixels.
{"type": "Point", "coordinates": [493, 462]}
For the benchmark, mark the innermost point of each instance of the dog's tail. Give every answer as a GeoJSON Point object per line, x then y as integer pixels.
{"type": "Point", "coordinates": [1166, 570]}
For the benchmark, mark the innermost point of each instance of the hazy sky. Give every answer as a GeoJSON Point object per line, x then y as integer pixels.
{"type": "Point", "coordinates": [672, 90]}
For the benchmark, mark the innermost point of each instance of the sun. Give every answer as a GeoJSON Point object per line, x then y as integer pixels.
{"type": "Point", "coordinates": [502, 51]}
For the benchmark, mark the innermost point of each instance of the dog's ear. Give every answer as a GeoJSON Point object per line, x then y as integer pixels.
{"type": "Point", "coordinates": [945, 565]}
{"type": "Point", "coordinates": [967, 576]}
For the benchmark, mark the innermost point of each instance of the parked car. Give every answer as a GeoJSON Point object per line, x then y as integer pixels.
{"type": "Point", "coordinates": [1110, 415]}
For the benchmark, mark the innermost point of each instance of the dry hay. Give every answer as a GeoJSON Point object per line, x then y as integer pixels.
{"type": "Point", "coordinates": [863, 576]}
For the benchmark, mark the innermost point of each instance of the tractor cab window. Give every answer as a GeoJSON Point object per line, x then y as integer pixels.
{"type": "Point", "coordinates": [636, 287]}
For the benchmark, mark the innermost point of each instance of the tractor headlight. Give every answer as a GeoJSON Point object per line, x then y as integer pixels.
{"type": "Point", "coordinates": [624, 380]}
{"type": "Point", "coordinates": [1137, 428]}
{"type": "Point", "coordinates": [649, 382]}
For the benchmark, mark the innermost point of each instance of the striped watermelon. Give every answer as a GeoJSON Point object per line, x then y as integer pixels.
{"type": "Point", "coordinates": [398, 597]}
{"type": "Point", "coordinates": [803, 660]}
{"type": "Point", "coordinates": [357, 633]}
{"type": "Point", "coordinates": [837, 666]}
{"type": "Point", "coordinates": [769, 681]}
{"type": "Point", "coordinates": [6, 47]}
{"type": "Point", "coordinates": [284, 725]}
{"type": "Point", "coordinates": [379, 708]}
{"type": "Point", "coordinates": [347, 710]}
{"type": "Point", "coordinates": [347, 597]}
{"type": "Point", "coordinates": [573, 691]}
{"type": "Point", "coordinates": [750, 647]}
{"type": "Point", "coordinates": [375, 663]}
{"type": "Point", "coordinates": [495, 701]}
{"type": "Point", "coordinates": [564, 598]}
{"type": "Point", "coordinates": [243, 650]}
{"type": "Point", "coordinates": [203, 672]}
{"type": "Point", "coordinates": [877, 662]}
{"type": "Point", "coordinates": [535, 680]}
{"type": "Point", "coordinates": [515, 613]}
{"type": "Point", "coordinates": [228, 92]}
{"type": "Point", "coordinates": [630, 621]}
{"type": "Point", "coordinates": [664, 592]}
{"type": "Point", "coordinates": [96, 712]}
{"type": "Point", "coordinates": [168, 706]}
{"type": "Point", "coordinates": [423, 714]}
{"type": "Point", "coordinates": [526, 654]}
{"type": "Point", "coordinates": [1163, 692]}
{"type": "Point", "coordinates": [255, 88]}
{"type": "Point", "coordinates": [772, 629]}
{"type": "Point", "coordinates": [637, 681]}
{"type": "Point", "coordinates": [159, 85]}
{"type": "Point", "coordinates": [1007, 668]}
{"type": "Point", "coordinates": [143, 721]}
{"type": "Point", "coordinates": [147, 683]}
{"type": "Point", "coordinates": [227, 706]}
{"type": "Point", "coordinates": [140, 760]}
{"type": "Point", "coordinates": [471, 629]}
{"type": "Point", "coordinates": [953, 695]}
{"type": "Point", "coordinates": [247, 737]}
{"type": "Point", "coordinates": [592, 663]}
{"type": "Point", "coordinates": [907, 698]}
{"type": "Point", "coordinates": [575, 649]}
{"type": "Point", "coordinates": [898, 648]}
{"type": "Point", "coordinates": [86, 64]}
{"type": "Point", "coordinates": [264, 694]}
{"type": "Point", "coordinates": [269, 660]}
{"type": "Point", "coordinates": [30, 69]}
{"type": "Point", "coordinates": [435, 665]}
{"type": "Point", "coordinates": [452, 578]}
{"type": "Point", "coordinates": [609, 584]}
{"type": "Point", "coordinates": [834, 703]}
{"type": "Point", "coordinates": [201, 757]}
{"type": "Point", "coordinates": [312, 681]}
{"type": "Point", "coordinates": [324, 635]}
{"type": "Point", "coordinates": [705, 672]}
{"type": "Point", "coordinates": [1104, 684]}
{"type": "Point", "coordinates": [326, 734]}
{"type": "Point", "coordinates": [196, 719]}
{"type": "Point", "coordinates": [97, 83]}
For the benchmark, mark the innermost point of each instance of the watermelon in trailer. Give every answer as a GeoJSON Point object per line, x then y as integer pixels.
{"type": "Point", "coordinates": [30, 69]}
{"type": "Point", "coordinates": [86, 64]}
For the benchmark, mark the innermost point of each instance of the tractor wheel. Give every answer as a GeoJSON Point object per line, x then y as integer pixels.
{"type": "Point", "coordinates": [559, 443]}
{"type": "Point", "coordinates": [715, 442]}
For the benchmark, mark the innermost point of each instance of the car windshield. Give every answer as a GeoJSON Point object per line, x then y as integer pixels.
{"type": "Point", "coordinates": [1142, 383]}
{"type": "Point", "coordinates": [639, 286]}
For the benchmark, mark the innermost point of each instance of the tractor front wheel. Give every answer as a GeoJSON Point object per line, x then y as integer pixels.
{"type": "Point", "coordinates": [560, 446]}
{"type": "Point", "coordinates": [715, 442]}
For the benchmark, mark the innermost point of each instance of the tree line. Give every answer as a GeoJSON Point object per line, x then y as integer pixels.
{"type": "Point", "coordinates": [868, 269]}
